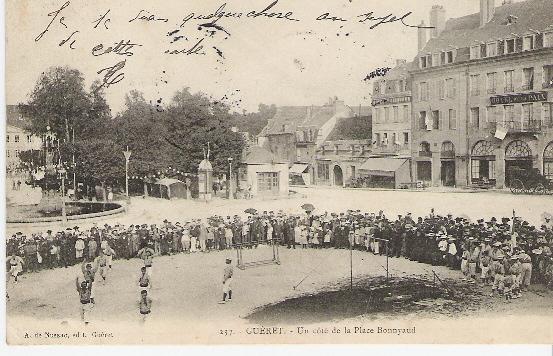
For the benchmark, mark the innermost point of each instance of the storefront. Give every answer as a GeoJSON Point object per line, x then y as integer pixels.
{"type": "Point", "coordinates": [518, 156]}
{"type": "Point", "coordinates": [299, 174]}
{"type": "Point", "coordinates": [447, 160]}
{"type": "Point", "coordinates": [392, 173]}
{"type": "Point", "coordinates": [548, 162]}
{"type": "Point", "coordinates": [482, 163]}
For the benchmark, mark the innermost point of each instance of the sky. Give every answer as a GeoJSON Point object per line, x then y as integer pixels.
{"type": "Point", "coordinates": [244, 61]}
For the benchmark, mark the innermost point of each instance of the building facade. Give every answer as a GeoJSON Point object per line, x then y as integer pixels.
{"type": "Point", "coordinates": [337, 163]}
{"type": "Point", "coordinates": [483, 96]}
{"type": "Point", "coordinates": [391, 128]}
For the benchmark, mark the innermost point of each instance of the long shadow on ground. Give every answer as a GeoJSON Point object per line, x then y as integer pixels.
{"type": "Point", "coordinates": [371, 296]}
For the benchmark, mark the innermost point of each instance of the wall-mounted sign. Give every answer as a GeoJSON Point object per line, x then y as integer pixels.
{"type": "Point", "coordinates": [518, 98]}
{"type": "Point", "coordinates": [398, 100]}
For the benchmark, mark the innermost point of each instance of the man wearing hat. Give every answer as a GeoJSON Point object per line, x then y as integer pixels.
{"type": "Point", "coordinates": [227, 282]}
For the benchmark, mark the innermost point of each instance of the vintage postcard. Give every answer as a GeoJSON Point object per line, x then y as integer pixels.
{"type": "Point", "coordinates": [279, 172]}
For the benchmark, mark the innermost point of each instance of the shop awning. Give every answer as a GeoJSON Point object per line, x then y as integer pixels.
{"type": "Point", "coordinates": [298, 168]}
{"type": "Point", "coordinates": [382, 166]}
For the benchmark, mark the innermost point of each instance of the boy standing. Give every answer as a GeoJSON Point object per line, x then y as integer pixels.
{"type": "Point", "coordinates": [145, 305]}
{"type": "Point", "coordinates": [227, 282]}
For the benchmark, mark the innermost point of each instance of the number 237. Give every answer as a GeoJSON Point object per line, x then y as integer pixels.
{"type": "Point", "coordinates": [225, 332]}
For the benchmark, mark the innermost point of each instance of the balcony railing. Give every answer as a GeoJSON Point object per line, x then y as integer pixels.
{"type": "Point", "coordinates": [529, 86]}
{"type": "Point", "coordinates": [425, 154]}
{"type": "Point", "coordinates": [547, 85]}
{"type": "Point", "coordinates": [491, 91]}
{"type": "Point", "coordinates": [518, 126]}
{"type": "Point", "coordinates": [509, 89]}
{"type": "Point", "coordinates": [390, 148]}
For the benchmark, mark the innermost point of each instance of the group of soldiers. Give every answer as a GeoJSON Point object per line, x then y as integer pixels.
{"type": "Point", "coordinates": [434, 239]}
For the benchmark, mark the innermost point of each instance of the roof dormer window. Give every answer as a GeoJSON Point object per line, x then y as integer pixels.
{"type": "Point", "coordinates": [510, 46]}
{"type": "Point", "coordinates": [528, 43]}
{"type": "Point", "coordinates": [475, 52]}
{"type": "Point", "coordinates": [423, 62]}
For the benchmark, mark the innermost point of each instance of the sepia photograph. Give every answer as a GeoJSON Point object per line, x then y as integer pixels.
{"type": "Point", "coordinates": [217, 172]}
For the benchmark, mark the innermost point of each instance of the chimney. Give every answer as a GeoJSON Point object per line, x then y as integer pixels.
{"type": "Point", "coordinates": [487, 10]}
{"type": "Point", "coordinates": [437, 20]}
{"type": "Point", "coordinates": [422, 35]}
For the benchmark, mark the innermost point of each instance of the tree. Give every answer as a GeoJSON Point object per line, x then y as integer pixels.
{"type": "Point", "coordinates": [59, 102]}
{"type": "Point", "coordinates": [193, 120]}
{"type": "Point", "coordinates": [253, 123]}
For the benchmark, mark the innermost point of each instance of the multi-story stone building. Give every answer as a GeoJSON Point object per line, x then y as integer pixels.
{"type": "Point", "coordinates": [18, 139]}
{"type": "Point", "coordinates": [391, 128]}
{"type": "Point", "coordinates": [295, 132]}
{"type": "Point", "coordinates": [483, 95]}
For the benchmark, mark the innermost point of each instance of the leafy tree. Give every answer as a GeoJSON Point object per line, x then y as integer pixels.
{"type": "Point", "coordinates": [193, 120]}
{"type": "Point", "coordinates": [253, 123]}
{"type": "Point", "coordinates": [58, 102]}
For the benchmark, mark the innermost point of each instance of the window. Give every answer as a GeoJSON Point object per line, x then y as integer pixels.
{"type": "Point", "coordinates": [548, 39]}
{"type": "Point", "coordinates": [7, 138]}
{"type": "Point", "coordinates": [508, 113]}
{"type": "Point", "coordinates": [528, 43]}
{"type": "Point", "coordinates": [441, 89]}
{"type": "Point", "coordinates": [423, 62]}
{"type": "Point", "coordinates": [16, 153]}
{"type": "Point", "coordinates": [376, 140]}
{"type": "Point", "coordinates": [527, 113]}
{"type": "Point", "coordinates": [491, 49]}
{"type": "Point", "coordinates": [452, 119]}
{"type": "Point", "coordinates": [422, 120]}
{"type": "Point", "coordinates": [424, 91]}
{"type": "Point", "coordinates": [528, 77]}
{"type": "Point", "coordinates": [475, 117]}
{"type": "Point", "coordinates": [490, 113]}
{"type": "Point", "coordinates": [548, 76]}
{"type": "Point", "coordinates": [406, 137]}
{"type": "Point", "coordinates": [547, 114]}
{"type": "Point", "coordinates": [474, 85]}
{"type": "Point", "coordinates": [442, 58]}
{"type": "Point", "coordinates": [387, 114]}
{"type": "Point", "coordinates": [474, 52]}
{"type": "Point", "coordinates": [323, 171]}
{"type": "Point", "coordinates": [376, 115]}
{"type": "Point", "coordinates": [509, 81]}
{"type": "Point", "coordinates": [396, 113]}
{"type": "Point", "coordinates": [385, 139]}
{"type": "Point", "coordinates": [449, 57]}
{"type": "Point", "coordinates": [435, 120]}
{"type": "Point", "coordinates": [510, 46]}
{"type": "Point", "coordinates": [491, 82]}
{"type": "Point", "coordinates": [401, 86]}
{"type": "Point", "coordinates": [405, 113]}
{"type": "Point", "coordinates": [394, 139]}
{"type": "Point", "coordinates": [16, 138]}
{"type": "Point", "coordinates": [8, 153]}
{"type": "Point", "coordinates": [450, 88]}
{"type": "Point", "coordinates": [29, 139]}
{"type": "Point", "coordinates": [435, 59]}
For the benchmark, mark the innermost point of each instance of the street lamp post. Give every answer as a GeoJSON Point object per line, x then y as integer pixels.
{"type": "Point", "coordinates": [62, 173]}
{"type": "Point", "coordinates": [230, 195]}
{"type": "Point", "coordinates": [127, 154]}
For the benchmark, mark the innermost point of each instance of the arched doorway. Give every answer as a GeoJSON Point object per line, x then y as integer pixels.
{"type": "Point", "coordinates": [518, 155]}
{"type": "Point", "coordinates": [548, 162]}
{"type": "Point", "coordinates": [447, 160]}
{"type": "Point", "coordinates": [482, 163]}
{"type": "Point", "coordinates": [338, 176]}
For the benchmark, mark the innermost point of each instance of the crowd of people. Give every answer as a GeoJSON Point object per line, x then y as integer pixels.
{"type": "Point", "coordinates": [508, 255]}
